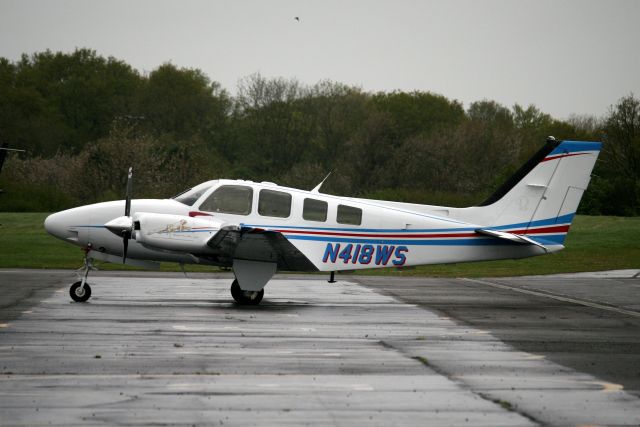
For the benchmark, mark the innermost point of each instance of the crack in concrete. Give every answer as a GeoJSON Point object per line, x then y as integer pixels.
{"type": "Point", "coordinates": [508, 406]}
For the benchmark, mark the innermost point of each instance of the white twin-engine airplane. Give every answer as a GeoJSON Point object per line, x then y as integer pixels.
{"type": "Point", "coordinates": [259, 228]}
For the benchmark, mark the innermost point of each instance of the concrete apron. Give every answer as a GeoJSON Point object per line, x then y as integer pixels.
{"type": "Point", "coordinates": [177, 351]}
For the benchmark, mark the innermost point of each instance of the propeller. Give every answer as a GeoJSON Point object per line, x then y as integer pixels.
{"type": "Point", "coordinates": [126, 235]}
{"type": "Point", "coordinates": [123, 225]}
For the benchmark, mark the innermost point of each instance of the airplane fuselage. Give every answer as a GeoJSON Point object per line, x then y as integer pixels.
{"type": "Point", "coordinates": [334, 233]}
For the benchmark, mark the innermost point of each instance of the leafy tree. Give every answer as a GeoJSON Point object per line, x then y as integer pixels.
{"type": "Point", "coordinates": [85, 118]}
{"type": "Point", "coordinates": [182, 102]}
{"type": "Point", "coordinates": [78, 95]}
{"type": "Point", "coordinates": [530, 118]}
{"type": "Point", "coordinates": [622, 130]}
{"type": "Point", "coordinates": [418, 112]}
{"type": "Point", "coordinates": [368, 155]}
{"type": "Point", "coordinates": [619, 174]}
{"type": "Point", "coordinates": [338, 111]}
{"type": "Point", "coordinates": [270, 114]}
{"type": "Point", "coordinates": [491, 114]}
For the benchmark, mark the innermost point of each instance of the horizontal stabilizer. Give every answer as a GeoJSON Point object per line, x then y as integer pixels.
{"type": "Point", "coordinates": [516, 238]}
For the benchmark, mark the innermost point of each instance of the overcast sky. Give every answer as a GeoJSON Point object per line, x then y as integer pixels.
{"type": "Point", "coordinates": [563, 56]}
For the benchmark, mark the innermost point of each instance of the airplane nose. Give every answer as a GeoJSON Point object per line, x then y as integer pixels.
{"type": "Point", "coordinates": [58, 225]}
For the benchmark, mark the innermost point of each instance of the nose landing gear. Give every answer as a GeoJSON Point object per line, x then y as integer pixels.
{"type": "Point", "coordinates": [80, 291]}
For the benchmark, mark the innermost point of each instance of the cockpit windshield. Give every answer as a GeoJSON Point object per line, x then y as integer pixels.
{"type": "Point", "coordinates": [191, 195]}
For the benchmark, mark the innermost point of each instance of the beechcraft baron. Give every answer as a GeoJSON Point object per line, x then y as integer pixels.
{"type": "Point", "coordinates": [259, 228]}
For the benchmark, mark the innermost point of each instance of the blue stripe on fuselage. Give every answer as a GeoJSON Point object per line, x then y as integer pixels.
{"type": "Point", "coordinates": [564, 219]}
{"type": "Point", "coordinates": [553, 239]}
{"type": "Point", "coordinates": [551, 221]}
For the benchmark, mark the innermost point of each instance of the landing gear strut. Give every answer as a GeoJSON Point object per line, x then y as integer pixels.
{"type": "Point", "coordinates": [80, 291]}
{"type": "Point", "coordinates": [245, 297]}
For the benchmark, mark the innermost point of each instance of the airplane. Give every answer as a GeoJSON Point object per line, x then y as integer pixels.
{"type": "Point", "coordinates": [4, 149]}
{"type": "Point", "coordinates": [258, 228]}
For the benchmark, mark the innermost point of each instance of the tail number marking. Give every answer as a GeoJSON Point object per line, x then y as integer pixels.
{"type": "Point", "coordinates": [365, 254]}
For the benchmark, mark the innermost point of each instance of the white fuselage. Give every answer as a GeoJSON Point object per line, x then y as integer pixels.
{"type": "Point", "coordinates": [381, 236]}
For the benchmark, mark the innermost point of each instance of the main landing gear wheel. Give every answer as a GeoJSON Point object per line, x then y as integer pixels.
{"type": "Point", "coordinates": [245, 297]}
{"type": "Point", "coordinates": [80, 293]}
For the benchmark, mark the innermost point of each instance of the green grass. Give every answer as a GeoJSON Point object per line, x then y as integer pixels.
{"type": "Point", "coordinates": [594, 243]}
{"type": "Point", "coordinates": [24, 243]}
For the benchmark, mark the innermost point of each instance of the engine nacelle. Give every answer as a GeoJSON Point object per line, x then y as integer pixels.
{"type": "Point", "coordinates": [177, 233]}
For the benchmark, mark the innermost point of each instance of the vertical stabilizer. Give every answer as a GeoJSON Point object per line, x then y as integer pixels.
{"type": "Point", "coordinates": [545, 192]}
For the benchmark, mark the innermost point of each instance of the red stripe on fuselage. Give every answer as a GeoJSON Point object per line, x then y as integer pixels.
{"type": "Point", "coordinates": [194, 214]}
{"type": "Point", "coordinates": [554, 229]}
{"type": "Point", "coordinates": [332, 233]}
{"type": "Point", "coordinates": [559, 156]}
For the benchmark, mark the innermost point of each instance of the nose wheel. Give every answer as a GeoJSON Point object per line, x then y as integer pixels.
{"type": "Point", "coordinates": [245, 297]}
{"type": "Point", "coordinates": [80, 292]}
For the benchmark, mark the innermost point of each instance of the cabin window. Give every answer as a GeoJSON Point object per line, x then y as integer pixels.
{"type": "Point", "coordinates": [229, 199]}
{"type": "Point", "coordinates": [274, 203]}
{"type": "Point", "coordinates": [349, 215]}
{"type": "Point", "coordinates": [314, 210]}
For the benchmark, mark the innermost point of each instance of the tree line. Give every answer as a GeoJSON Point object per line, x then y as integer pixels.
{"type": "Point", "coordinates": [84, 119]}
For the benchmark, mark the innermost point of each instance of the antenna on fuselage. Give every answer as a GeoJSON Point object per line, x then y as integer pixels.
{"type": "Point", "coordinates": [316, 189]}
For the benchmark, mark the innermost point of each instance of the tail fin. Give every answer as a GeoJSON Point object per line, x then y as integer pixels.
{"type": "Point", "coordinates": [542, 197]}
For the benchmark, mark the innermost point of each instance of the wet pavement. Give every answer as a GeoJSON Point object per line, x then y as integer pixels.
{"type": "Point", "coordinates": [162, 349]}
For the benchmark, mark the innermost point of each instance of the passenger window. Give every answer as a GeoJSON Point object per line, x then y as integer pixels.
{"type": "Point", "coordinates": [349, 215]}
{"type": "Point", "coordinates": [230, 199]}
{"type": "Point", "coordinates": [314, 210]}
{"type": "Point", "coordinates": [274, 203]}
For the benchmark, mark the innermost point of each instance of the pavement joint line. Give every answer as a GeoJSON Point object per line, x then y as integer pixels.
{"type": "Point", "coordinates": [556, 297]}
{"type": "Point", "coordinates": [460, 382]}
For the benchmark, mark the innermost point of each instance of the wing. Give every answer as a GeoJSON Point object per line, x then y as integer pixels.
{"type": "Point", "coordinates": [255, 244]}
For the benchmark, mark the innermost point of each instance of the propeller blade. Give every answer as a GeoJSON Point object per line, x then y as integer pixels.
{"type": "Point", "coordinates": [126, 232]}
{"type": "Point", "coordinates": [125, 243]}
{"type": "Point", "coordinates": [127, 205]}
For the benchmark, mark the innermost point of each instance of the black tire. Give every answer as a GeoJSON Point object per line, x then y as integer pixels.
{"type": "Point", "coordinates": [245, 297]}
{"type": "Point", "coordinates": [80, 294]}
